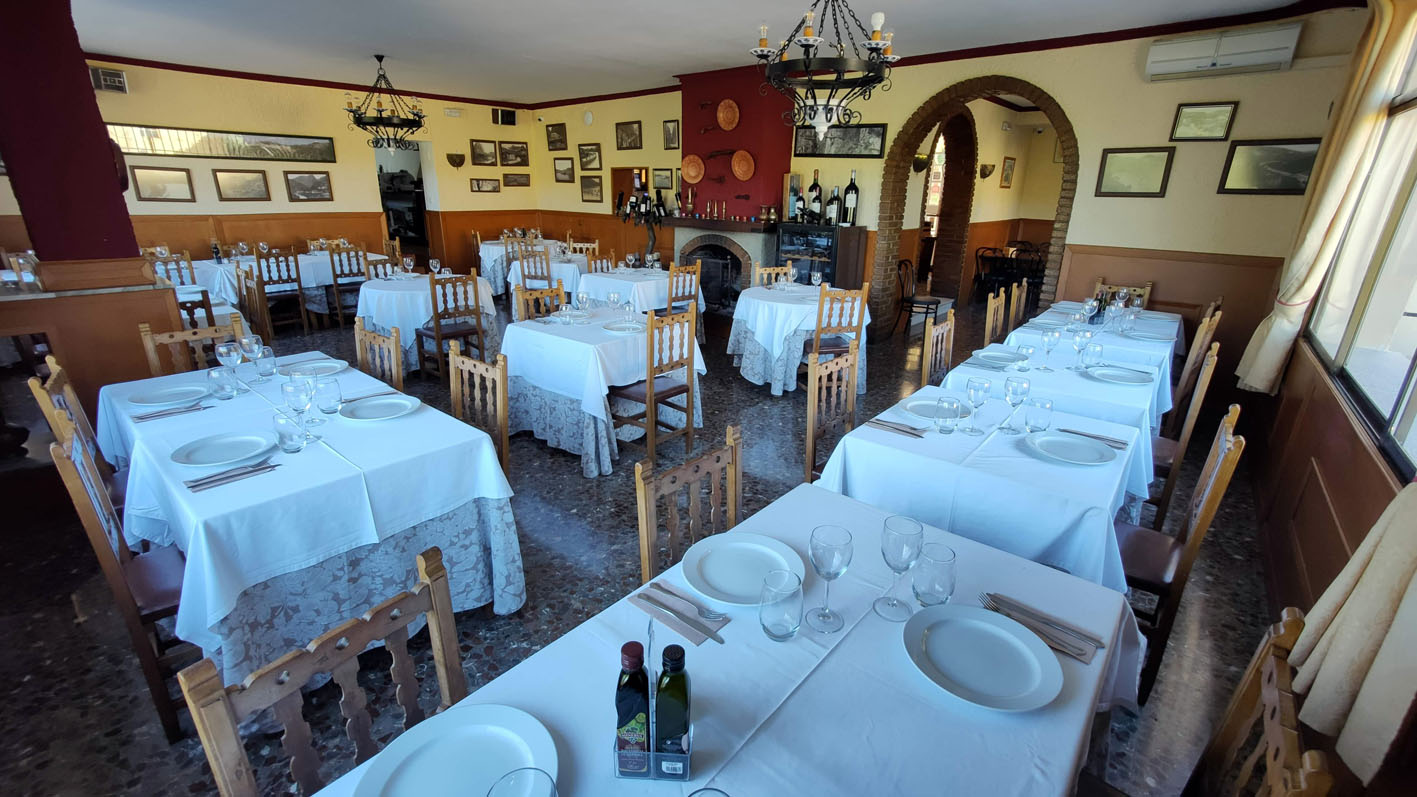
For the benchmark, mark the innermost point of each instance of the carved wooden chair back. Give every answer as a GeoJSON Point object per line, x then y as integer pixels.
{"type": "Point", "coordinates": [1018, 298]}
{"type": "Point", "coordinates": [456, 300]}
{"type": "Point", "coordinates": [380, 356]}
{"type": "Point", "coordinates": [1143, 290]}
{"type": "Point", "coordinates": [670, 348]}
{"type": "Point", "coordinates": [684, 284]}
{"type": "Point", "coordinates": [831, 401]}
{"type": "Point", "coordinates": [840, 312]}
{"type": "Point", "coordinates": [1214, 306]}
{"type": "Point", "coordinates": [64, 414]}
{"type": "Point", "coordinates": [217, 710]}
{"type": "Point", "coordinates": [701, 497]}
{"type": "Point", "coordinates": [185, 347]}
{"type": "Point", "coordinates": [535, 265]}
{"type": "Point", "coordinates": [176, 267]}
{"type": "Point", "coordinates": [279, 271]}
{"type": "Point", "coordinates": [937, 350]}
{"type": "Point", "coordinates": [380, 269]}
{"type": "Point", "coordinates": [764, 276]}
{"type": "Point", "coordinates": [994, 321]}
{"type": "Point", "coordinates": [393, 249]}
{"type": "Point", "coordinates": [1186, 384]}
{"type": "Point", "coordinates": [480, 397]}
{"type": "Point", "coordinates": [252, 299]}
{"type": "Point", "coordinates": [1193, 411]}
{"type": "Point", "coordinates": [603, 266]}
{"type": "Point", "coordinates": [347, 263]}
{"type": "Point", "coordinates": [588, 248]}
{"type": "Point", "coordinates": [533, 303]}
{"type": "Point", "coordinates": [196, 311]}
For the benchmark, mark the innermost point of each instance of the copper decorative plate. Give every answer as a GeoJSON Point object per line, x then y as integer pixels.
{"type": "Point", "coordinates": [692, 169]}
{"type": "Point", "coordinates": [743, 165]}
{"type": "Point", "coordinates": [727, 115]}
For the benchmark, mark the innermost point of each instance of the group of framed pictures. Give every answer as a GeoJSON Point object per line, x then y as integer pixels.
{"type": "Point", "coordinates": [1276, 167]}
{"type": "Point", "coordinates": [173, 184]}
{"type": "Point", "coordinates": [628, 136]}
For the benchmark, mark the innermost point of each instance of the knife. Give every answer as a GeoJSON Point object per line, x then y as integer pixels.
{"type": "Point", "coordinates": [228, 472]}
{"type": "Point", "coordinates": [904, 427]}
{"type": "Point", "coordinates": [1101, 438]}
{"type": "Point", "coordinates": [1038, 617]}
{"type": "Point", "coordinates": [1126, 368]}
{"type": "Point", "coordinates": [691, 623]}
{"type": "Point", "coordinates": [156, 416]}
{"type": "Point", "coordinates": [897, 430]}
{"type": "Point", "coordinates": [235, 477]}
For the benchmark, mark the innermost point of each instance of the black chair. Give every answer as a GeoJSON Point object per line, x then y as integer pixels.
{"type": "Point", "coordinates": [907, 278]}
{"type": "Point", "coordinates": [982, 262]}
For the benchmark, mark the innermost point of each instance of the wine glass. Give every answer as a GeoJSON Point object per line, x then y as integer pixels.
{"type": "Point", "coordinates": [264, 247]}
{"type": "Point", "coordinates": [792, 272]}
{"type": "Point", "coordinates": [251, 346]}
{"type": "Point", "coordinates": [1015, 391]}
{"type": "Point", "coordinates": [816, 274]}
{"type": "Point", "coordinates": [1081, 339]}
{"type": "Point", "coordinates": [1051, 337]}
{"type": "Point", "coordinates": [298, 393]}
{"type": "Point", "coordinates": [1038, 415]}
{"type": "Point", "coordinates": [831, 554]}
{"type": "Point", "coordinates": [901, 538]}
{"type": "Point", "coordinates": [435, 265]}
{"type": "Point", "coordinates": [582, 299]}
{"type": "Point", "coordinates": [1026, 352]}
{"type": "Point", "coordinates": [947, 412]}
{"type": "Point", "coordinates": [613, 298]}
{"type": "Point", "coordinates": [1122, 294]}
{"type": "Point", "coordinates": [408, 265]}
{"type": "Point", "coordinates": [1089, 309]}
{"type": "Point", "coordinates": [162, 250]}
{"type": "Point", "coordinates": [265, 364]}
{"type": "Point", "coordinates": [524, 782]}
{"type": "Point", "coordinates": [327, 397]}
{"type": "Point", "coordinates": [978, 390]}
{"type": "Point", "coordinates": [934, 579]}
{"type": "Point", "coordinates": [229, 355]}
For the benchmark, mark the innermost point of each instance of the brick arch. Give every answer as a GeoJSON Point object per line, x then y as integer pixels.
{"type": "Point", "coordinates": [941, 108]}
{"type": "Point", "coordinates": [714, 239]}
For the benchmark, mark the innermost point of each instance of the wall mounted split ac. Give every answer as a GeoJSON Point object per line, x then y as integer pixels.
{"type": "Point", "coordinates": [1267, 48]}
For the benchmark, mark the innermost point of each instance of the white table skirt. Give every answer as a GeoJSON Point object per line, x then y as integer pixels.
{"type": "Point", "coordinates": [768, 333]}
{"type": "Point", "coordinates": [220, 278]}
{"type": "Point", "coordinates": [845, 714]}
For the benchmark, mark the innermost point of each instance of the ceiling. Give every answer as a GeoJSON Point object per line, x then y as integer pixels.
{"type": "Point", "coordinates": [533, 51]}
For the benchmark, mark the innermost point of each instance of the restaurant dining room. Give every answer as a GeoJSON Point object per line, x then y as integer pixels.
{"type": "Point", "coordinates": [704, 400]}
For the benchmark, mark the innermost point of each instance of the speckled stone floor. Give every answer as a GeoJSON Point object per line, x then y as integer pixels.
{"type": "Point", "coordinates": [79, 721]}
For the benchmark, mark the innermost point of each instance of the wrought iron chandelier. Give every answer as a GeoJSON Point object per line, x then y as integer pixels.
{"type": "Point", "coordinates": [822, 86]}
{"type": "Point", "coordinates": [386, 115]}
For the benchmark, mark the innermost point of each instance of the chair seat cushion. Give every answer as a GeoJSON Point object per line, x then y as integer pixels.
{"type": "Point", "coordinates": [831, 344]}
{"type": "Point", "coordinates": [923, 301]}
{"type": "Point", "coordinates": [117, 485]}
{"type": "Point", "coordinates": [458, 330]}
{"type": "Point", "coordinates": [664, 387]}
{"type": "Point", "coordinates": [155, 579]}
{"type": "Point", "coordinates": [1163, 452]}
{"type": "Point", "coordinates": [1149, 557]}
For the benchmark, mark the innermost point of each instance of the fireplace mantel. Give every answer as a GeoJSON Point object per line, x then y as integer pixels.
{"type": "Point", "coordinates": [720, 225]}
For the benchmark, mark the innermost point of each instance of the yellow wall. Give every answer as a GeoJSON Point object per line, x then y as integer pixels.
{"type": "Point", "coordinates": [1039, 196]}
{"type": "Point", "coordinates": [8, 205]}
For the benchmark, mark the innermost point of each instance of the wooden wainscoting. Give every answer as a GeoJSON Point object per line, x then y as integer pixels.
{"type": "Point", "coordinates": [13, 235]}
{"type": "Point", "coordinates": [449, 232]}
{"type": "Point", "coordinates": [195, 232]}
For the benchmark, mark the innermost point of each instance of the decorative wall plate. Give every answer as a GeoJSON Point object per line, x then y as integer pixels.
{"type": "Point", "coordinates": [727, 115]}
{"type": "Point", "coordinates": [743, 165]}
{"type": "Point", "coordinates": [692, 169]}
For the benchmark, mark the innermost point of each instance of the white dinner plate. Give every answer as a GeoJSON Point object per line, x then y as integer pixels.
{"type": "Point", "coordinates": [623, 327]}
{"type": "Point", "coordinates": [177, 394]}
{"type": "Point", "coordinates": [730, 567]}
{"type": "Point", "coordinates": [1047, 323]}
{"type": "Point", "coordinates": [925, 407]}
{"type": "Point", "coordinates": [810, 298]}
{"type": "Point", "coordinates": [983, 657]}
{"type": "Point", "coordinates": [1149, 336]}
{"type": "Point", "coordinates": [224, 449]}
{"type": "Point", "coordinates": [1071, 448]}
{"type": "Point", "coordinates": [1122, 376]}
{"type": "Point", "coordinates": [573, 315]}
{"type": "Point", "coordinates": [999, 356]}
{"type": "Point", "coordinates": [379, 408]}
{"type": "Point", "coordinates": [462, 751]}
{"type": "Point", "coordinates": [326, 367]}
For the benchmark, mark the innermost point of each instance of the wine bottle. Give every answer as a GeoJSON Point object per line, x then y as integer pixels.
{"type": "Point", "coordinates": [814, 194]}
{"type": "Point", "coordinates": [216, 251]}
{"type": "Point", "coordinates": [833, 206]}
{"type": "Point", "coordinates": [799, 209]}
{"type": "Point", "coordinates": [671, 707]}
{"type": "Point", "coordinates": [632, 712]}
{"type": "Point", "coordinates": [850, 198]}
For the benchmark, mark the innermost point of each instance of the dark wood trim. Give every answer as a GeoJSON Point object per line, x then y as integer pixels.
{"type": "Point", "coordinates": [1230, 156]}
{"type": "Point", "coordinates": [224, 198]}
{"type": "Point", "coordinates": [620, 95]}
{"type": "Point", "coordinates": [1012, 106]}
{"type": "Point", "coordinates": [1165, 177]}
{"type": "Point", "coordinates": [1229, 123]}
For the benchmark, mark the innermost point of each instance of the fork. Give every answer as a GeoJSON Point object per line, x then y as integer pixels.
{"type": "Point", "coordinates": [902, 426]}
{"type": "Point", "coordinates": [143, 416]}
{"type": "Point", "coordinates": [707, 614]}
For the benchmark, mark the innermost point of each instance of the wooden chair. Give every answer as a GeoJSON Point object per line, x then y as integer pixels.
{"type": "Point", "coordinates": [670, 346]}
{"type": "Point", "coordinates": [937, 350]}
{"type": "Point", "coordinates": [1167, 453]}
{"type": "Point", "coordinates": [185, 347]}
{"type": "Point", "coordinates": [1160, 564]}
{"type": "Point", "coordinates": [252, 300]}
{"type": "Point", "coordinates": [176, 268]}
{"type": "Point", "coordinates": [589, 249]}
{"type": "Point", "coordinates": [280, 284]}
{"type": "Point", "coordinates": [380, 356]}
{"type": "Point", "coordinates": [217, 710]}
{"type": "Point", "coordinates": [457, 315]}
{"type": "Point", "coordinates": [1143, 290]}
{"type": "Point", "coordinates": [683, 288]}
{"type": "Point", "coordinates": [480, 397]}
{"type": "Point", "coordinates": [393, 249]}
{"type": "Point", "coordinates": [840, 315]}
{"type": "Point", "coordinates": [380, 269]}
{"type": "Point", "coordinates": [195, 311]}
{"type": "Point", "coordinates": [911, 302]}
{"type": "Point", "coordinates": [831, 402]}
{"type": "Point", "coordinates": [719, 472]}
{"type": "Point", "coordinates": [146, 587]}
{"type": "Point", "coordinates": [475, 238]}
{"type": "Point", "coordinates": [68, 422]}
{"type": "Point", "coordinates": [1213, 307]}
{"type": "Point", "coordinates": [151, 251]}
{"type": "Point", "coordinates": [314, 245]}
{"type": "Point", "coordinates": [994, 317]}
{"type": "Point", "coordinates": [349, 270]}
{"type": "Point", "coordinates": [1018, 298]}
{"type": "Point", "coordinates": [767, 275]}
{"type": "Point", "coordinates": [538, 303]}
{"type": "Point", "coordinates": [1185, 385]}
{"type": "Point", "coordinates": [603, 266]}
{"type": "Point", "coordinates": [535, 265]}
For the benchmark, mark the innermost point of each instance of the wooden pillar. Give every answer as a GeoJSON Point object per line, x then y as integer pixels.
{"type": "Point", "coordinates": [64, 170]}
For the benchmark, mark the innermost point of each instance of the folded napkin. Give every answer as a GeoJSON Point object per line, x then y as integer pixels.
{"type": "Point", "coordinates": [1357, 656]}
{"type": "Point", "coordinates": [682, 604]}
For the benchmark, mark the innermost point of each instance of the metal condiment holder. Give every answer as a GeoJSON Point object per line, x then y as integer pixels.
{"type": "Point", "coordinates": [662, 766]}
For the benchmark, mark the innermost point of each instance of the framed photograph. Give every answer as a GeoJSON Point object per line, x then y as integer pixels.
{"type": "Point", "coordinates": [186, 142]}
{"type": "Point", "coordinates": [664, 178]}
{"type": "Point", "coordinates": [671, 134]}
{"type": "Point", "coordinates": [154, 184]}
{"type": "Point", "coordinates": [565, 170]}
{"type": "Point", "coordinates": [1275, 166]}
{"type": "Point", "coordinates": [592, 188]}
{"type": "Point", "coordinates": [1057, 150]}
{"type": "Point", "coordinates": [309, 187]}
{"type": "Point", "coordinates": [1135, 171]}
{"type": "Point", "coordinates": [516, 180]}
{"type": "Point", "coordinates": [590, 157]}
{"type": "Point", "coordinates": [484, 153]}
{"type": "Point", "coordinates": [1203, 121]}
{"type": "Point", "coordinates": [513, 153]}
{"type": "Point", "coordinates": [483, 185]}
{"type": "Point", "coordinates": [854, 141]}
{"type": "Point", "coordinates": [1006, 174]}
{"type": "Point", "coordinates": [629, 135]}
{"type": "Point", "coordinates": [241, 185]}
{"type": "Point", "coordinates": [556, 137]}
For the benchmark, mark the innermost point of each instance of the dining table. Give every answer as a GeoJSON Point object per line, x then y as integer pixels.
{"type": "Point", "coordinates": [275, 558]}
{"type": "Point", "coordinates": [560, 374]}
{"type": "Point", "coordinates": [1152, 348]}
{"type": "Point", "coordinates": [847, 713]}
{"type": "Point", "coordinates": [495, 261]}
{"type": "Point", "coordinates": [646, 289]}
{"type": "Point", "coordinates": [406, 303]}
{"type": "Point", "coordinates": [221, 311]}
{"type": "Point", "coordinates": [1171, 326]}
{"type": "Point", "coordinates": [315, 274]}
{"type": "Point", "coordinates": [771, 326]}
{"type": "Point", "coordinates": [567, 268]}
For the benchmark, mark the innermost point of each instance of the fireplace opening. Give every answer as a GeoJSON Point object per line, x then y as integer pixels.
{"type": "Point", "coordinates": [720, 276]}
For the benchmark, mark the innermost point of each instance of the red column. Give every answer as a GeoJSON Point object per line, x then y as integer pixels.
{"type": "Point", "coordinates": [55, 146]}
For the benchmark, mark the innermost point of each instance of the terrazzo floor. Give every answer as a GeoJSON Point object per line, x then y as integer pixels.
{"type": "Point", "coordinates": [79, 721]}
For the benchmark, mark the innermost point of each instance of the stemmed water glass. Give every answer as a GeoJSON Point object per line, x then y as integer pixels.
{"type": "Point", "coordinates": [816, 274]}
{"type": "Point", "coordinates": [298, 393]}
{"type": "Point", "coordinates": [792, 272]}
{"type": "Point", "coordinates": [1051, 337]}
{"type": "Point", "coordinates": [1081, 339]}
{"type": "Point", "coordinates": [978, 390]}
{"type": "Point", "coordinates": [613, 298]}
{"type": "Point", "coordinates": [901, 539]}
{"type": "Point", "coordinates": [435, 266]}
{"type": "Point", "coordinates": [408, 265]}
{"type": "Point", "coordinates": [162, 251]}
{"type": "Point", "coordinates": [244, 249]}
{"type": "Point", "coordinates": [1015, 392]}
{"type": "Point", "coordinates": [831, 554]}
{"type": "Point", "coordinates": [582, 299]}
{"type": "Point", "coordinates": [1122, 294]}
{"type": "Point", "coordinates": [264, 247]}
{"type": "Point", "coordinates": [229, 355]}
{"type": "Point", "coordinates": [1089, 309]}
{"type": "Point", "coordinates": [251, 346]}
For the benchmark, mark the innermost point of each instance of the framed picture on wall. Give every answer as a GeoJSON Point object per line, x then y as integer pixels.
{"type": "Point", "coordinates": [853, 141]}
{"type": "Point", "coordinates": [1057, 149]}
{"type": "Point", "coordinates": [565, 170]}
{"type": "Point", "coordinates": [590, 157]}
{"type": "Point", "coordinates": [664, 178]}
{"type": "Point", "coordinates": [241, 185]}
{"type": "Point", "coordinates": [556, 137]}
{"type": "Point", "coordinates": [1006, 174]}
{"type": "Point", "coordinates": [592, 188]}
{"type": "Point", "coordinates": [484, 153]}
{"type": "Point", "coordinates": [671, 134]}
{"type": "Point", "coordinates": [154, 184]}
{"type": "Point", "coordinates": [516, 180]}
{"type": "Point", "coordinates": [513, 153]}
{"type": "Point", "coordinates": [629, 135]}
{"type": "Point", "coordinates": [309, 187]}
{"type": "Point", "coordinates": [1203, 121]}
{"type": "Point", "coordinates": [1274, 166]}
{"type": "Point", "coordinates": [1135, 171]}
{"type": "Point", "coordinates": [483, 185]}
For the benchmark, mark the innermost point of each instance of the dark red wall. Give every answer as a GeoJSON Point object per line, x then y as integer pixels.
{"type": "Point", "coordinates": [54, 142]}
{"type": "Point", "coordinates": [760, 131]}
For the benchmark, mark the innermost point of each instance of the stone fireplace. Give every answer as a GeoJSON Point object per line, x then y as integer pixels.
{"type": "Point", "coordinates": [727, 256]}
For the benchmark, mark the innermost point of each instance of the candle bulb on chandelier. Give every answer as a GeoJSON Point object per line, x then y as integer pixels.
{"type": "Point", "coordinates": [782, 50]}
{"type": "Point", "coordinates": [889, 36]}
{"type": "Point", "coordinates": [348, 101]}
{"type": "Point", "coordinates": [807, 25]}
{"type": "Point", "coordinates": [877, 20]}
{"type": "Point", "coordinates": [763, 36]}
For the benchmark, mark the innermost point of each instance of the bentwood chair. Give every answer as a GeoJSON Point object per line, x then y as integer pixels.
{"type": "Point", "coordinates": [1018, 298]}
{"type": "Point", "coordinates": [479, 392]}
{"type": "Point", "coordinates": [68, 422]}
{"type": "Point", "coordinates": [1167, 453]}
{"type": "Point", "coordinates": [831, 402]}
{"type": "Point", "coordinates": [670, 346]}
{"type": "Point", "coordinates": [380, 356]}
{"type": "Point", "coordinates": [764, 276]}
{"type": "Point", "coordinates": [589, 249]}
{"type": "Point", "coordinates": [1160, 564]}
{"type": "Point", "coordinates": [937, 350]}
{"type": "Point", "coordinates": [1143, 290]}
{"type": "Point", "coordinates": [457, 315]}
{"type": "Point", "coordinates": [281, 287]}
{"type": "Point", "coordinates": [1185, 385]}
{"type": "Point", "coordinates": [218, 710]}
{"type": "Point", "coordinates": [146, 587]}
{"type": "Point", "coordinates": [994, 317]}
{"type": "Point", "coordinates": [348, 272]}
{"type": "Point", "coordinates": [707, 490]}
{"type": "Point", "coordinates": [176, 268]}
{"type": "Point", "coordinates": [538, 303]}
{"type": "Point", "coordinates": [911, 301]}
{"type": "Point", "coordinates": [186, 348]}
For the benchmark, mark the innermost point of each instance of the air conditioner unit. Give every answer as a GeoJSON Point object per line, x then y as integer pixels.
{"type": "Point", "coordinates": [108, 79]}
{"type": "Point", "coordinates": [503, 116]}
{"type": "Point", "coordinates": [1268, 48]}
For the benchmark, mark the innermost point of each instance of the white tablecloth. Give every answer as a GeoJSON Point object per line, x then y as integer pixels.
{"type": "Point", "coordinates": [220, 278]}
{"type": "Point", "coordinates": [1116, 348]}
{"type": "Point", "coordinates": [845, 714]}
{"type": "Point", "coordinates": [769, 326]}
{"type": "Point", "coordinates": [408, 305]}
{"type": "Point", "coordinates": [221, 311]}
{"type": "Point", "coordinates": [1157, 321]}
{"type": "Point", "coordinates": [494, 263]}
{"type": "Point", "coordinates": [359, 485]}
{"type": "Point", "coordinates": [647, 288]}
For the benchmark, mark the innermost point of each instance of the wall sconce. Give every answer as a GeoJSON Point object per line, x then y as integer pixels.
{"type": "Point", "coordinates": [985, 169]}
{"type": "Point", "coordinates": [919, 163]}
{"type": "Point", "coordinates": [456, 159]}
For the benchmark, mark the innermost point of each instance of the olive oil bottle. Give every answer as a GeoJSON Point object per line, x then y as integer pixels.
{"type": "Point", "coordinates": [671, 707]}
